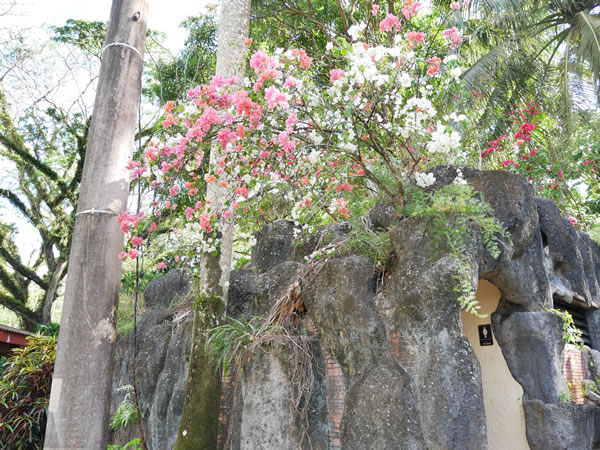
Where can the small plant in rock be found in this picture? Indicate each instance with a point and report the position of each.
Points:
(126, 413)
(566, 397)
(571, 334)
(134, 444)
(25, 393)
(590, 386)
(227, 342)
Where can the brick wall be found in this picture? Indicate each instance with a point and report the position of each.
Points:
(336, 390)
(403, 350)
(574, 371)
(227, 407)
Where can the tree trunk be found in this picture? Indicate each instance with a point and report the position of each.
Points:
(80, 399)
(200, 418)
(52, 288)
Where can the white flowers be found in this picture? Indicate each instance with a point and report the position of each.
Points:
(455, 73)
(316, 138)
(442, 141)
(424, 179)
(459, 178)
(355, 30)
(404, 80)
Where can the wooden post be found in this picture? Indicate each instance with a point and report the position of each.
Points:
(78, 414)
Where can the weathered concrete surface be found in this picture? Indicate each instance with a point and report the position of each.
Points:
(162, 291)
(268, 419)
(562, 426)
(161, 375)
(419, 303)
(532, 345)
(78, 410)
(380, 395)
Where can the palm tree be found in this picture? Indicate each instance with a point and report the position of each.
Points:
(533, 49)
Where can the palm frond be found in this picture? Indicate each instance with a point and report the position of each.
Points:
(586, 33)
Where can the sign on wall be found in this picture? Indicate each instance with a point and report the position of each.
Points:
(485, 334)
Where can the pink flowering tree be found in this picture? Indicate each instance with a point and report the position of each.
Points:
(295, 144)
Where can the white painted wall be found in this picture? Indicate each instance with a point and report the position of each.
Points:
(502, 395)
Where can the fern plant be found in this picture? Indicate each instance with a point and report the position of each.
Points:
(126, 413)
(451, 211)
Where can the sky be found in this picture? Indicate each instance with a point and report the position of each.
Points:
(165, 15)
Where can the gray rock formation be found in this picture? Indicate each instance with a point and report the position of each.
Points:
(163, 348)
(532, 345)
(390, 365)
(561, 426)
(162, 291)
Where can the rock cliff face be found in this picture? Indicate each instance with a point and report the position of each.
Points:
(390, 365)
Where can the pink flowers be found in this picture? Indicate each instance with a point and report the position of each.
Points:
(302, 57)
(174, 190)
(161, 265)
(388, 23)
(453, 36)
(455, 5)
(524, 132)
(410, 8)
(573, 220)
(127, 220)
(242, 191)
(204, 221)
(343, 207)
(415, 37)
(136, 241)
(225, 136)
(374, 9)
(291, 121)
(275, 97)
(336, 74)
(260, 61)
(434, 65)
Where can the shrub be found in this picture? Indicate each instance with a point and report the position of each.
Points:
(25, 393)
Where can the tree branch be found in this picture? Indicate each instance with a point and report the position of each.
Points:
(17, 266)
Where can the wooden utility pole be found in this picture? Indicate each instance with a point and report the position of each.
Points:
(78, 414)
(200, 418)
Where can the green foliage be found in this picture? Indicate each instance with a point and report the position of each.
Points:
(126, 311)
(565, 397)
(195, 65)
(126, 413)
(226, 342)
(375, 245)
(88, 36)
(25, 393)
(571, 334)
(591, 386)
(452, 211)
(125, 314)
(3, 363)
(134, 444)
(48, 329)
